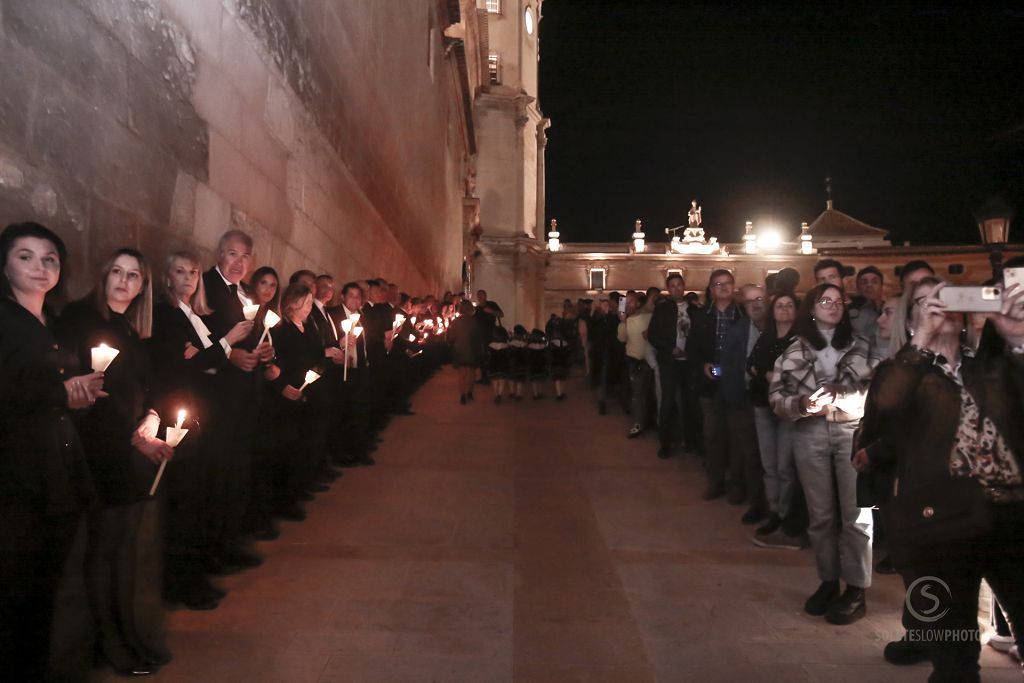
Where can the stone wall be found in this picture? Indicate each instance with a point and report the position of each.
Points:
(329, 130)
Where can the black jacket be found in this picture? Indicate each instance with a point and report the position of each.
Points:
(661, 331)
(42, 466)
(120, 473)
(915, 408)
(700, 345)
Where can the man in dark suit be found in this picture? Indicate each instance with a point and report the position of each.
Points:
(377, 320)
(351, 440)
(229, 437)
(668, 333)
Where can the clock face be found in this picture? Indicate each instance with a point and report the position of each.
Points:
(528, 20)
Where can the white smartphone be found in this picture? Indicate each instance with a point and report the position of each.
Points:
(971, 299)
(1013, 276)
(622, 304)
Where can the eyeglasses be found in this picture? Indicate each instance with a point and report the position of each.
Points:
(830, 303)
(750, 301)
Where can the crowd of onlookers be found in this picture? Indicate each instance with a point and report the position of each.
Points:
(855, 423)
(229, 395)
(885, 433)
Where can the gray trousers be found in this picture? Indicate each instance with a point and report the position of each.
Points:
(775, 441)
(840, 532)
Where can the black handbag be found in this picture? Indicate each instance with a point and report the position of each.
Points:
(945, 510)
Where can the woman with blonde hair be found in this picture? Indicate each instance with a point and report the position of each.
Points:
(186, 360)
(119, 435)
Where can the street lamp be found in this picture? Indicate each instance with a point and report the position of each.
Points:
(994, 220)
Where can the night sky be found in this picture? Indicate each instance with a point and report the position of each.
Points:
(916, 115)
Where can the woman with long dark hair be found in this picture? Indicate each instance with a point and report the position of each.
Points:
(819, 383)
(774, 435)
(264, 288)
(186, 359)
(119, 434)
(44, 480)
(287, 449)
(951, 422)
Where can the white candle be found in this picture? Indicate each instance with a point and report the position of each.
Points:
(346, 327)
(250, 311)
(269, 321)
(357, 331)
(399, 321)
(102, 357)
(310, 378)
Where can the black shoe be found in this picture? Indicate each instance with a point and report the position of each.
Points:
(405, 411)
(713, 492)
(497, 400)
(752, 516)
(818, 604)
(848, 608)
(884, 566)
(267, 533)
(319, 488)
(773, 523)
(903, 652)
(366, 461)
(537, 397)
(462, 399)
(198, 602)
(351, 462)
(560, 397)
(664, 452)
(602, 409)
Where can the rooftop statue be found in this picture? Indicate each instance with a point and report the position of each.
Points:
(694, 214)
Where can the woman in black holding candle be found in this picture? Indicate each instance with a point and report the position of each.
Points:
(119, 435)
(186, 360)
(286, 413)
(44, 480)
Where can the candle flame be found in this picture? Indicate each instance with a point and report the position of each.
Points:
(181, 418)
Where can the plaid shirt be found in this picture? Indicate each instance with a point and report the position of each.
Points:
(798, 373)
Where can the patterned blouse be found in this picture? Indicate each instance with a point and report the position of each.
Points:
(979, 450)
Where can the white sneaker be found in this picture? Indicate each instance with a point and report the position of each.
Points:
(1001, 643)
(1015, 653)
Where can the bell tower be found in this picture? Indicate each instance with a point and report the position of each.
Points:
(511, 136)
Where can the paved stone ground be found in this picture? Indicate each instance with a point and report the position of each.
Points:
(528, 542)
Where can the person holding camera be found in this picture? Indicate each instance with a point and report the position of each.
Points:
(957, 512)
(704, 349)
(819, 382)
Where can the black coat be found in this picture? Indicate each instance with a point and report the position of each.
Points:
(41, 460)
(700, 345)
(661, 331)
(179, 382)
(915, 409)
(120, 473)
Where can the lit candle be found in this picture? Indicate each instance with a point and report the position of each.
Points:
(181, 419)
(102, 357)
(269, 321)
(357, 331)
(412, 337)
(399, 321)
(310, 378)
(346, 327)
(355, 317)
(250, 311)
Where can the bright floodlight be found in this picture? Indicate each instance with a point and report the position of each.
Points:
(768, 238)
